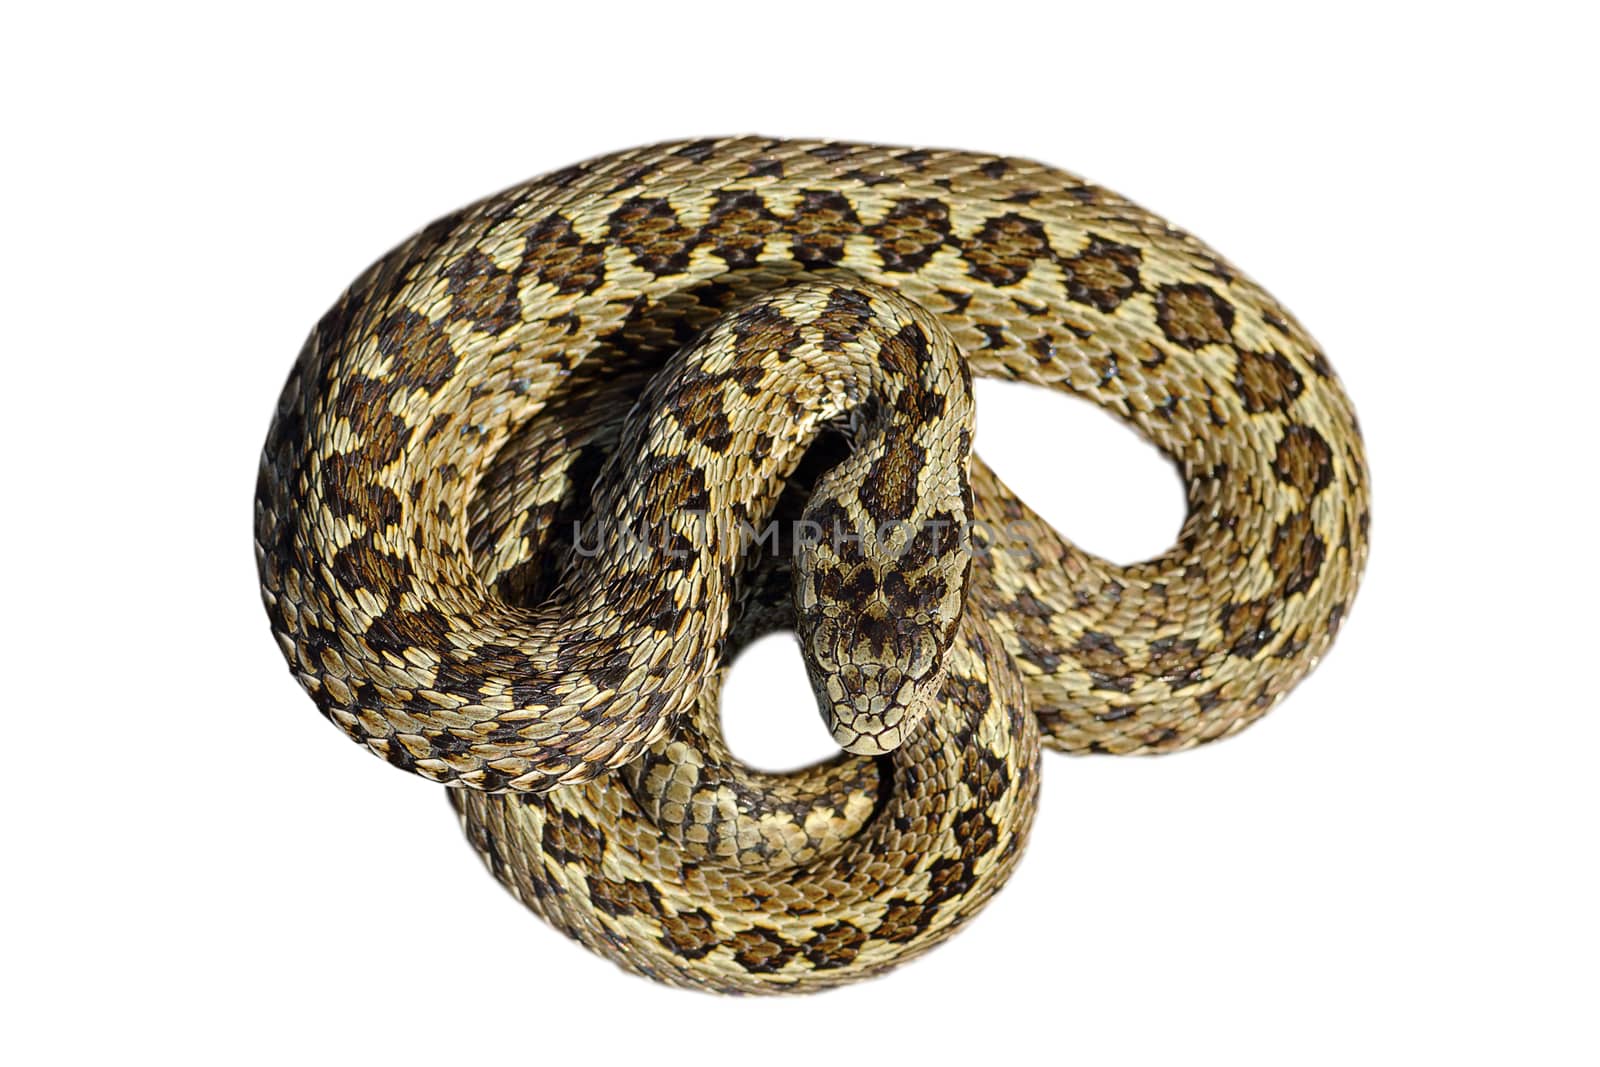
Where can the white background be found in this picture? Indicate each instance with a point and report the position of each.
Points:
(1397, 865)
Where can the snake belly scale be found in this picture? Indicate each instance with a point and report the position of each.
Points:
(726, 334)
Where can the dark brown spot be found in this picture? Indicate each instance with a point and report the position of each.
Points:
(1103, 275)
(570, 838)
(890, 492)
(976, 833)
(1267, 381)
(947, 879)
(834, 945)
(739, 227)
(626, 897)
(762, 329)
(482, 294)
(698, 406)
(688, 933)
(822, 222)
(1244, 628)
(350, 491)
(649, 228)
(398, 631)
(1104, 660)
(1177, 661)
(904, 920)
(558, 256)
(911, 233)
(1297, 553)
(419, 352)
(985, 774)
(1304, 461)
(1005, 249)
(843, 319)
(358, 565)
(1193, 315)
(761, 951)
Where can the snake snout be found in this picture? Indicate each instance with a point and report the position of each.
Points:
(884, 674)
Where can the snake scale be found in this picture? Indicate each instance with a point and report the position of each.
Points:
(496, 515)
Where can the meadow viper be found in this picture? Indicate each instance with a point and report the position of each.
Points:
(539, 474)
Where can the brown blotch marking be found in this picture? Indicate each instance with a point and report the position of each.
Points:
(833, 151)
(761, 951)
(688, 934)
(482, 294)
(911, 233)
(843, 319)
(1193, 315)
(1267, 381)
(834, 945)
(739, 227)
(821, 224)
(699, 151)
(398, 631)
(699, 409)
(765, 167)
(570, 838)
(649, 228)
(349, 491)
(936, 536)
(1304, 460)
(911, 596)
(1297, 554)
(420, 353)
(890, 493)
(1244, 628)
(626, 897)
(1177, 662)
(1103, 275)
(673, 485)
(358, 565)
(1105, 661)
(985, 774)
(947, 879)
(964, 691)
(762, 329)
(1037, 641)
(976, 833)
(558, 256)
(903, 920)
(1336, 615)
(1005, 249)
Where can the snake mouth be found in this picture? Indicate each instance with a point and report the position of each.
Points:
(875, 677)
(871, 709)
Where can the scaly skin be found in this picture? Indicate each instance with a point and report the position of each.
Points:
(468, 398)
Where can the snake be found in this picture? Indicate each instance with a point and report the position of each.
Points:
(546, 468)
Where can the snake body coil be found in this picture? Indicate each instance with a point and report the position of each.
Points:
(534, 480)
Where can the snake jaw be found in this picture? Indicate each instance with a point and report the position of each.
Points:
(879, 724)
(875, 677)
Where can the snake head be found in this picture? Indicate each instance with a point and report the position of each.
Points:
(874, 637)
(875, 677)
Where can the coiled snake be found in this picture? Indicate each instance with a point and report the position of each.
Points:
(545, 467)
